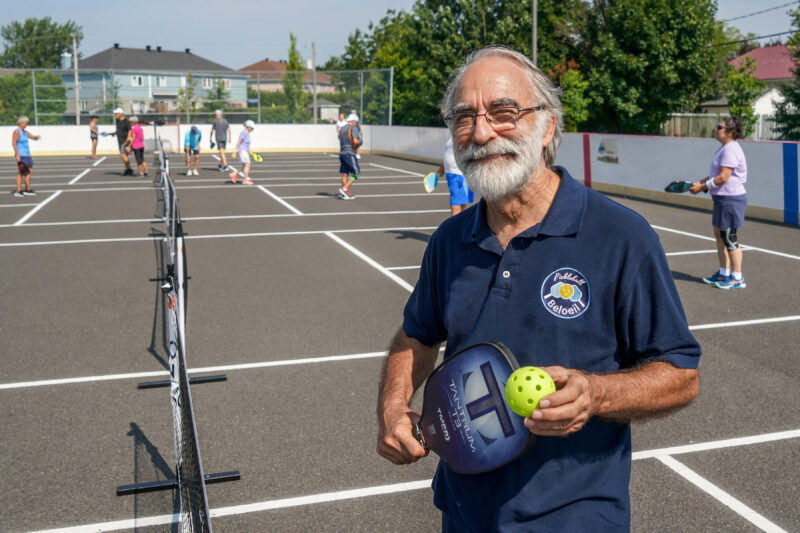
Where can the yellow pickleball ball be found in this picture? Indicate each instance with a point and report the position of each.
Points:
(525, 387)
(566, 291)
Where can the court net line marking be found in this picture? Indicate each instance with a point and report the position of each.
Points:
(744, 246)
(37, 208)
(305, 360)
(295, 213)
(79, 176)
(663, 455)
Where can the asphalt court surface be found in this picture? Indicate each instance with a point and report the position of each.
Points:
(294, 294)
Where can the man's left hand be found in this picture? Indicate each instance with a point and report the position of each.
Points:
(568, 409)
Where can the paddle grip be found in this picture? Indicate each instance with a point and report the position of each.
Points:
(419, 436)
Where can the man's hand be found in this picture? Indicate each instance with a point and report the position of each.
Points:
(396, 441)
(568, 409)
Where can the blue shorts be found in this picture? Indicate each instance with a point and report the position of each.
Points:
(348, 164)
(191, 151)
(728, 211)
(25, 164)
(459, 190)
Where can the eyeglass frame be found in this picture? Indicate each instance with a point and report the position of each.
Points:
(475, 116)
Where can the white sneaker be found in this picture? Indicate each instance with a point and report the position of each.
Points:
(358, 156)
(196, 173)
(189, 172)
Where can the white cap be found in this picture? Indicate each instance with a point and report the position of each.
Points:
(249, 124)
(352, 117)
(118, 111)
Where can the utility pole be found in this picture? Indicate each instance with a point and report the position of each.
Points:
(391, 92)
(77, 90)
(534, 16)
(314, 80)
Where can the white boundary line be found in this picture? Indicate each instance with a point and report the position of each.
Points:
(17, 205)
(746, 322)
(397, 169)
(37, 208)
(691, 252)
(721, 496)
(99, 161)
(744, 246)
(79, 176)
(391, 275)
(366, 492)
(412, 267)
(280, 200)
(231, 217)
(324, 359)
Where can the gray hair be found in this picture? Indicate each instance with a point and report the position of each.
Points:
(22, 119)
(544, 90)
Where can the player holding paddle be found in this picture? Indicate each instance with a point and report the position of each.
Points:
(243, 149)
(348, 162)
(567, 280)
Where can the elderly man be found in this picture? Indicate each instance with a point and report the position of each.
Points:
(617, 344)
(220, 132)
(124, 140)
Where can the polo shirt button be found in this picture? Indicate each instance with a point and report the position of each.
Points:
(506, 274)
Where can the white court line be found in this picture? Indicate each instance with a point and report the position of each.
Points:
(149, 186)
(319, 197)
(744, 246)
(746, 322)
(231, 217)
(397, 169)
(391, 275)
(37, 208)
(280, 200)
(403, 268)
(79, 176)
(721, 496)
(323, 359)
(99, 161)
(366, 492)
(718, 444)
(218, 236)
(17, 205)
(692, 252)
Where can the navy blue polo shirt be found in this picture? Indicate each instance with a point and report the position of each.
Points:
(588, 288)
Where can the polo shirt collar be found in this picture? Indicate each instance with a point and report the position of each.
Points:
(564, 217)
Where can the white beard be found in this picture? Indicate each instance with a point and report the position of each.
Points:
(502, 178)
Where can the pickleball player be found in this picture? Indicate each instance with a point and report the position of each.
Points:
(566, 278)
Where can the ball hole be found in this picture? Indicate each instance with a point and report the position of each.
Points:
(527, 378)
(530, 401)
(538, 387)
(519, 389)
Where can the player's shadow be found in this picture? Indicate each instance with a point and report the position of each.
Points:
(406, 234)
(328, 194)
(148, 466)
(682, 276)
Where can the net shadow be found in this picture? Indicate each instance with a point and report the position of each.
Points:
(148, 466)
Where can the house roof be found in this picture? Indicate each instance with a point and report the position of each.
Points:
(772, 62)
(273, 71)
(119, 58)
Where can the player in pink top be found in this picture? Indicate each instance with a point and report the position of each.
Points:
(726, 182)
(138, 146)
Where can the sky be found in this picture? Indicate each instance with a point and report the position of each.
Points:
(246, 31)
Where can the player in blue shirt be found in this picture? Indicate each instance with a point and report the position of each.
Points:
(191, 146)
(569, 281)
(22, 155)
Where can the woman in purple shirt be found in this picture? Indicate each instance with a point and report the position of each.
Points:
(726, 185)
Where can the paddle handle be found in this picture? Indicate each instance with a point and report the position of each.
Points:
(419, 436)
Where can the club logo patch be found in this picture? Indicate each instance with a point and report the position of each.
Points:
(565, 293)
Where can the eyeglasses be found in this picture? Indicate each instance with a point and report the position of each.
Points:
(721, 127)
(499, 118)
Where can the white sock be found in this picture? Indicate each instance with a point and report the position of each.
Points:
(724, 272)
(737, 276)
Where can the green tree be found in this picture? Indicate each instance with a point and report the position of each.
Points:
(743, 89)
(37, 43)
(293, 83)
(217, 96)
(187, 96)
(726, 41)
(644, 59)
(787, 113)
(16, 93)
(573, 97)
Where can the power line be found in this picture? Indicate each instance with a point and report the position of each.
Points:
(751, 39)
(758, 12)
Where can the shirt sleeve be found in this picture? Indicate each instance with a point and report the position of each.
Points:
(651, 324)
(422, 316)
(729, 157)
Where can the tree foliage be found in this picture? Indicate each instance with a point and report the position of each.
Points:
(743, 88)
(293, 83)
(16, 95)
(187, 95)
(37, 43)
(787, 113)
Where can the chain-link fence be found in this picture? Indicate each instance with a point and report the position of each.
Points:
(704, 124)
(301, 97)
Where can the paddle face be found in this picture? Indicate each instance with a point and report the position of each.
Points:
(256, 157)
(465, 417)
(430, 181)
(678, 186)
